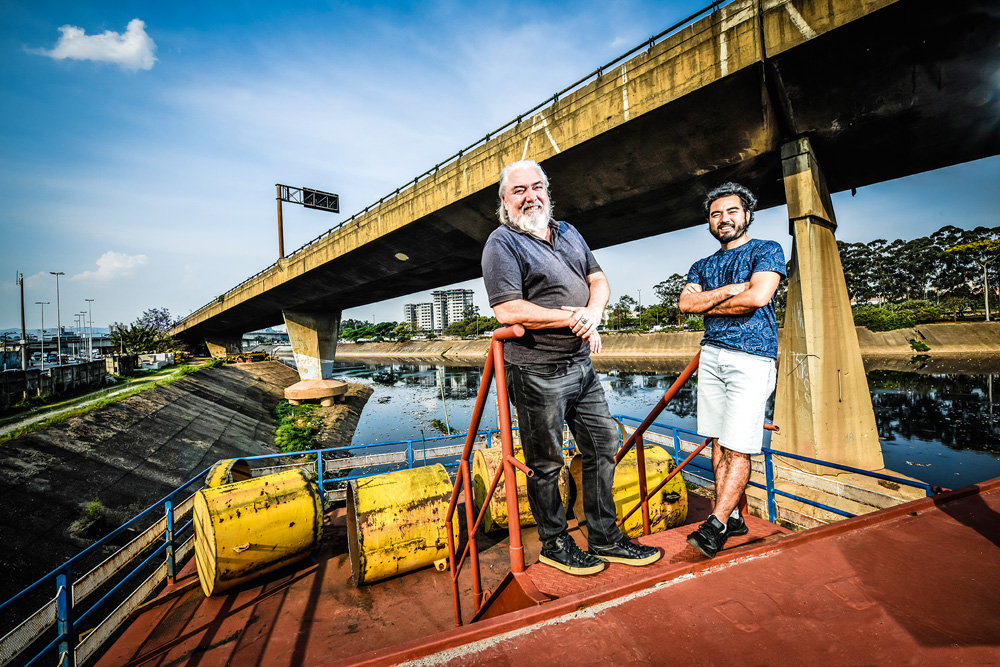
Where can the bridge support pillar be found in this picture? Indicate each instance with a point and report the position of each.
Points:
(314, 343)
(220, 346)
(823, 406)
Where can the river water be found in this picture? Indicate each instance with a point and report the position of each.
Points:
(938, 421)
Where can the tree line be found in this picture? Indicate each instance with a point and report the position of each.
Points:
(892, 284)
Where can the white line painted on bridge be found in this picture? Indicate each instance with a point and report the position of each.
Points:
(535, 125)
(800, 22)
(625, 90)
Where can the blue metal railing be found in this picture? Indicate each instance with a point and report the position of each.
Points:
(768, 486)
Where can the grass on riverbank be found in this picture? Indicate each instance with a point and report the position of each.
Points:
(65, 408)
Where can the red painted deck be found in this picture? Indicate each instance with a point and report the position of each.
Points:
(916, 584)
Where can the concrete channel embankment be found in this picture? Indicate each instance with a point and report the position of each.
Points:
(129, 454)
(954, 340)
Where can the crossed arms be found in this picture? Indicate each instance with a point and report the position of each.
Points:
(735, 299)
(583, 320)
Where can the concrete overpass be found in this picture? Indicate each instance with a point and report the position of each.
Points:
(759, 91)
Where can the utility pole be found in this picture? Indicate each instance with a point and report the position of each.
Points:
(24, 332)
(90, 331)
(58, 319)
(43, 304)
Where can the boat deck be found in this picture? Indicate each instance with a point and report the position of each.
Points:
(913, 584)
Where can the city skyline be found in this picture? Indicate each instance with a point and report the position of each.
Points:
(141, 144)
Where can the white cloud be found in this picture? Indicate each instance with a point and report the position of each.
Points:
(113, 265)
(134, 50)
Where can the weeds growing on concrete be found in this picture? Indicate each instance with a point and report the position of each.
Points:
(297, 426)
(93, 510)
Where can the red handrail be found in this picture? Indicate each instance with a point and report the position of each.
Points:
(494, 370)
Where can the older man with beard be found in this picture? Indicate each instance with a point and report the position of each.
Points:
(734, 289)
(539, 273)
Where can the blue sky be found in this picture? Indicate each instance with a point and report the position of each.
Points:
(142, 163)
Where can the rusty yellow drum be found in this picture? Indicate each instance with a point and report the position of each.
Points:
(485, 464)
(227, 471)
(246, 529)
(667, 507)
(396, 522)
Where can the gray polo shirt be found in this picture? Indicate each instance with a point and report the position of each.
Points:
(551, 274)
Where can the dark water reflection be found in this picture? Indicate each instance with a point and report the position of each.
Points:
(941, 427)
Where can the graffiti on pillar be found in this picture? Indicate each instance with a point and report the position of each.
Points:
(801, 373)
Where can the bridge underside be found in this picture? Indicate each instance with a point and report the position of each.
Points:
(909, 88)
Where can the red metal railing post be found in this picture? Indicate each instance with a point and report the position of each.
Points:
(507, 444)
(462, 482)
(462, 477)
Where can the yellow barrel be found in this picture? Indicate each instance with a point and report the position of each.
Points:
(246, 529)
(485, 464)
(667, 507)
(396, 522)
(227, 471)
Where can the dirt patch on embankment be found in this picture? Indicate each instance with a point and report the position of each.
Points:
(944, 340)
(130, 454)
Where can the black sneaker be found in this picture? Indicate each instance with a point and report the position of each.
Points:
(570, 558)
(709, 537)
(736, 527)
(627, 552)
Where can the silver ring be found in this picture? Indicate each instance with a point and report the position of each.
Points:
(583, 319)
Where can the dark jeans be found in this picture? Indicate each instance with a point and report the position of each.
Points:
(545, 395)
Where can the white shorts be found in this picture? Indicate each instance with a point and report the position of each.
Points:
(733, 388)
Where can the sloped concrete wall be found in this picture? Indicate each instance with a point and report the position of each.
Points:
(944, 339)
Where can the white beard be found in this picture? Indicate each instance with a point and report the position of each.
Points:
(533, 222)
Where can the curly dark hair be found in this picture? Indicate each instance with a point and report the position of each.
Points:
(728, 190)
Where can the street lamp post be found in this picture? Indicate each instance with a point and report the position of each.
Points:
(43, 304)
(58, 319)
(640, 310)
(24, 332)
(90, 330)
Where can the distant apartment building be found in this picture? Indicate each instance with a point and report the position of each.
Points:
(419, 315)
(449, 306)
(446, 306)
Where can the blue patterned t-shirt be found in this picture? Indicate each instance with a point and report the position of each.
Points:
(756, 333)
